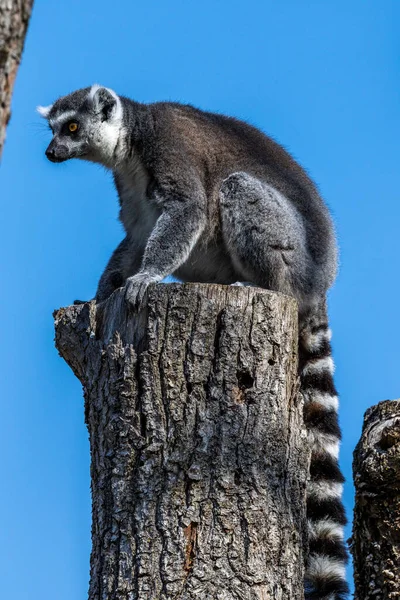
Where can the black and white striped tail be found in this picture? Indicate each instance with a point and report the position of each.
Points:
(325, 569)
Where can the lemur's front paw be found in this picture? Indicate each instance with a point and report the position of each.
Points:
(136, 287)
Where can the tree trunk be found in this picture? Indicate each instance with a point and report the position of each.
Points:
(14, 19)
(376, 528)
(199, 452)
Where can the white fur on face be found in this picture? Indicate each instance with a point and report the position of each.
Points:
(44, 111)
(62, 118)
(104, 136)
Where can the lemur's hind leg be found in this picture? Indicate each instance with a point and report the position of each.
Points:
(264, 235)
(124, 262)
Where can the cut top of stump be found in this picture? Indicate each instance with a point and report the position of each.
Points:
(191, 305)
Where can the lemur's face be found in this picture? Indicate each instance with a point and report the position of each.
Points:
(85, 124)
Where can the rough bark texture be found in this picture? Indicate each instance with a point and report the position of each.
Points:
(14, 19)
(199, 453)
(376, 527)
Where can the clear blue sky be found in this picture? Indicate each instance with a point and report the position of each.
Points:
(322, 78)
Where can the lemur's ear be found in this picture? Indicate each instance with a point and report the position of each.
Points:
(105, 102)
(44, 111)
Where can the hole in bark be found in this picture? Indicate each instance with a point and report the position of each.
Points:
(217, 337)
(245, 534)
(238, 477)
(271, 361)
(188, 486)
(143, 425)
(191, 537)
(208, 386)
(245, 380)
(189, 387)
(390, 435)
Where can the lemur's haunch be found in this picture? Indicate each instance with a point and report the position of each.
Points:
(211, 199)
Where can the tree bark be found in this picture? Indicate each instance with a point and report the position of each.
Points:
(376, 528)
(14, 19)
(199, 452)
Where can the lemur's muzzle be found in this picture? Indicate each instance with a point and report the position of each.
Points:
(57, 152)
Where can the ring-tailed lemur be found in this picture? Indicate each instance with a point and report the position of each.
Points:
(211, 199)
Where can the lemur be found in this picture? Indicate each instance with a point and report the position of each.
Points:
(209, 198)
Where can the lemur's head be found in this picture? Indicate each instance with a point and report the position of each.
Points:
(85, 124)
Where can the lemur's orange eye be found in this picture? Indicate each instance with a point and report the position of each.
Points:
(73, 127)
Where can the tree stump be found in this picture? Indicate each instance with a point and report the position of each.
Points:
(376, 528)
(198, 448)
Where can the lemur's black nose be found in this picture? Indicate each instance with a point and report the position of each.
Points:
(56, 153)
(50, 153)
